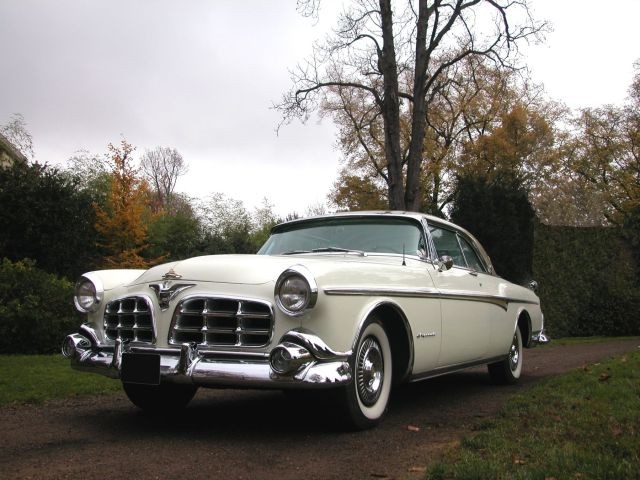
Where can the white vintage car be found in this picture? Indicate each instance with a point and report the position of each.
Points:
(354, 302)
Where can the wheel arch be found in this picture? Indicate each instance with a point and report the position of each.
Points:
(524, 322)
(398, 330)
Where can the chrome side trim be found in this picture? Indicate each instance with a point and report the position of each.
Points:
(453, 368)
(502, 302)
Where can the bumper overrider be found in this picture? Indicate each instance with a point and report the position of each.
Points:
(300, 359)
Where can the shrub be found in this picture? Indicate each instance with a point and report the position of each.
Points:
(36, 309)
(588, 281)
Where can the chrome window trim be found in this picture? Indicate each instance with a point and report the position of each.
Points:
(473, 243)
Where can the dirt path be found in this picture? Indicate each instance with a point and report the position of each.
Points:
(235, 434)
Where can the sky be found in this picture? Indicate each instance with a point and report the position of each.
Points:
(201, 76)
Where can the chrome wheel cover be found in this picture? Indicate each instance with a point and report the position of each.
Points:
(514, 354)
(369, 371)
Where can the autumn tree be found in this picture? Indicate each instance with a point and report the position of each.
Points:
(399, 60)
(469, 107)
(162, 167)
(606, 154)
(122, 224)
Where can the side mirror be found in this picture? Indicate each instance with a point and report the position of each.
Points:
(533, 285)
(445, 263)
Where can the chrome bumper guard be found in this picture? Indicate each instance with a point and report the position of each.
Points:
(315, 365)
(539, 338)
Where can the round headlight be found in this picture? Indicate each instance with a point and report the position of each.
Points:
(296, 291)
(86, 298)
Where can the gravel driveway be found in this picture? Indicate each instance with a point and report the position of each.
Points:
(235, 434)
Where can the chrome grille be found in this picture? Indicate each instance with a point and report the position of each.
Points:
(216, 321)
(129, 319)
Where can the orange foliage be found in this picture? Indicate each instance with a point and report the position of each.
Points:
(122, 225)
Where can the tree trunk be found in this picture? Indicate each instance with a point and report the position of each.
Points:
(419, 120)
(391, 109)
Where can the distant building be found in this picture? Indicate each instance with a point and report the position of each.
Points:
(9, 154)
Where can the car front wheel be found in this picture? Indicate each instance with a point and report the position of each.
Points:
(165, 397)
(368, 394)
(508, 371)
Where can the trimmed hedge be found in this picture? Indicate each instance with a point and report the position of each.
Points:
(589, 281)
(36, 309)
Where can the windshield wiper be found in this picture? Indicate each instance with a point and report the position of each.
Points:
(295, 252)
(337, 249)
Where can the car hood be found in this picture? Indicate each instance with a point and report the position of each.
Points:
(240, 269)
(259, 269)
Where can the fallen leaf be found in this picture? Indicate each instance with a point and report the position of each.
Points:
(413, 428)
(518, 461)
(417, 469)
(604, 377)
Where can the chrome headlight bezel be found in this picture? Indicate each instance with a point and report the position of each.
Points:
(89, 293)
(296, 291)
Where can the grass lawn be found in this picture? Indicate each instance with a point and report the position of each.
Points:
(581, 425)
(35, 378)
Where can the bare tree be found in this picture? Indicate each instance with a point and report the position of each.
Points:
(400, 60)
(163, 166)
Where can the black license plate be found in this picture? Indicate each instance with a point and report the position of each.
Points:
(143, 368)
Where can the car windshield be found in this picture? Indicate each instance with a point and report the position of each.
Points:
(344, 234)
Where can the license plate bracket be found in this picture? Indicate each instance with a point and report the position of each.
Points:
(140, 368)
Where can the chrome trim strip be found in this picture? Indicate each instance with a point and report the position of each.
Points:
(453, 368)
(502, 302)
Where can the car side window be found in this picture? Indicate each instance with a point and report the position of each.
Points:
(471, 256)
(446, 243)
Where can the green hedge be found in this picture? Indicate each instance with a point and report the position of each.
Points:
(589, 281)
(36, 309)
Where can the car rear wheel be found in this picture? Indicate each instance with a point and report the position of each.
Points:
(368, 394)
(159, 398)
(508, 371)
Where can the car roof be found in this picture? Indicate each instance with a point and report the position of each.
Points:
(417, 216)
(374, 213)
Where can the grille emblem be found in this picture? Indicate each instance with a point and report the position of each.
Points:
(165, 292)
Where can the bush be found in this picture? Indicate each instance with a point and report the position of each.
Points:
(36, 309)
(588, 281)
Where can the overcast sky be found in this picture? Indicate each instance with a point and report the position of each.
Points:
(200, 76)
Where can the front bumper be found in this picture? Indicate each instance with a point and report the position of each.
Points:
(316, 366)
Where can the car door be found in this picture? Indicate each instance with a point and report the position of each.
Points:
(469, 299)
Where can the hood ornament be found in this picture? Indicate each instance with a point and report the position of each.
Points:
(166, 292)
(171, 275)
